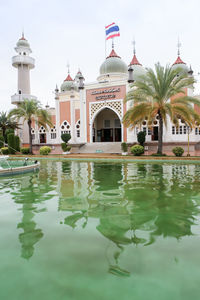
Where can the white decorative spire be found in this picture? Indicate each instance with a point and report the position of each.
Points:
(179, 46)
(133, 43)
(68, 68)
(113, 44)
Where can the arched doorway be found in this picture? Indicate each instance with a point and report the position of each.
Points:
(106, 127)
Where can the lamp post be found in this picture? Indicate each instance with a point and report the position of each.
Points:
(130, 74)
(72, 140)
(82, 108)
(81, 82)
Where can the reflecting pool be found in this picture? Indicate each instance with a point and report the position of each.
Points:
(94, 230)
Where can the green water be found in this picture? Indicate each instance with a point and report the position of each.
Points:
(88, 230)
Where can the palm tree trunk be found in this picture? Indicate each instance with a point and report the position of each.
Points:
(30, 136)
(160, 134)
(4, 133)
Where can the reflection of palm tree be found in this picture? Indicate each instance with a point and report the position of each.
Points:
(30, 193)
(73, 219)
(115, 269)
(175, 213)
(31, 235)
(153, 204)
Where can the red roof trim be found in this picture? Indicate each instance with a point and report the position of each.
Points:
(68, 78)
(113, 54)
(135, 61)
(179, 61)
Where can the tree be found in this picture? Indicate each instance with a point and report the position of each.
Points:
(151, 97)
(29, 110)
(6, 123)
(141, 137)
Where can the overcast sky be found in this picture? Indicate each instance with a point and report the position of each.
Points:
(62, 31)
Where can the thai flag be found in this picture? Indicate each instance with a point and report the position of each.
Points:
(112, 31)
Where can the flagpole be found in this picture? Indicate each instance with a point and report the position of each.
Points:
(105, 49)
(105, 42)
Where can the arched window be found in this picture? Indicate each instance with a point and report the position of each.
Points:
(53, 132)
(42, 134)
(33, 133)
(78, 132)
(65, 127)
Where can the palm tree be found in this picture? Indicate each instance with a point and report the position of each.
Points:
(6, 123)
(152, 96)
(29, 110)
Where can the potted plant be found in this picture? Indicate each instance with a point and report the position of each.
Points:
(65, 147)
(124, 148)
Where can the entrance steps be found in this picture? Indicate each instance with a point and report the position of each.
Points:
(103, 147)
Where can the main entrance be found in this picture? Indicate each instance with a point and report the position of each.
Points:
(154, 136)
(106, 127)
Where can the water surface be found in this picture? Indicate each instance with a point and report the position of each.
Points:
(88, 230)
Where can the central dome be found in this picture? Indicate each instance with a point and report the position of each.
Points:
(68, 84)
(113, 64)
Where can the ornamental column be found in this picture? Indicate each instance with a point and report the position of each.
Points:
(72, 111)
(82, 109)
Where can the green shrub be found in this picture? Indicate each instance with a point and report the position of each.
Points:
(178, 151)
(17, 143)
(141, 137)
(25, 150)
(45, 150)
(1, 141)
(124, 147)
(66, 137)
(11, 143)
(68, 148)
(6, 134)
(65, 147)
(4, 150)
(137, 150)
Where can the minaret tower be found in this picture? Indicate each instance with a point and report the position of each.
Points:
(23, 62)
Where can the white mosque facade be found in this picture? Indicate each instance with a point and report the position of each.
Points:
(92, 112)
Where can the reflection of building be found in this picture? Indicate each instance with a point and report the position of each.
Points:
(93, 113)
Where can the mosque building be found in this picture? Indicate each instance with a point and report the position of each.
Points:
(92, 112)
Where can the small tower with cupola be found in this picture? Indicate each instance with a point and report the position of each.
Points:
(24, 63)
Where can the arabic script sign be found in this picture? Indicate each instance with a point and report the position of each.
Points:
(105, 93)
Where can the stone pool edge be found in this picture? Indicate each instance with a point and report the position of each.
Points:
(188, 160)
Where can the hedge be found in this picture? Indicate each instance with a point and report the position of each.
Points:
(1, 141)
(4, 150)
(25, 150)
(11, 143)
(17, 143)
